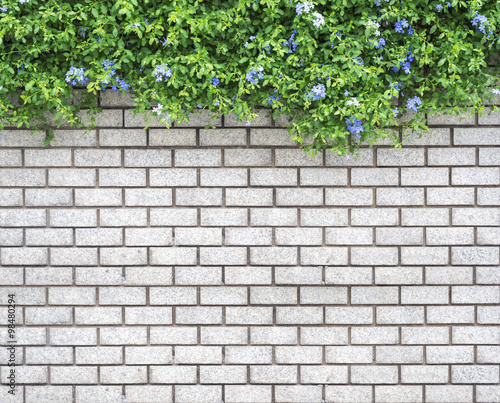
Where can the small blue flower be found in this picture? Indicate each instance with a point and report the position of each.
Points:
(23, 1)
(215, 81)
(359, 61)
(319, 20)
(400, 25)
(76, 75)
(381, 43)
(410, 31)
(304, 7)
(480, 19)
(318, 92)
(356, 127)
(162, 72)
(413, 102)
(4, 9)
(439, 7)
(271, 99)
(216, 102)
(346, 93)
(448, 4)
(158, 111)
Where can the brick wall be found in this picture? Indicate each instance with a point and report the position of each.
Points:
(193, 265)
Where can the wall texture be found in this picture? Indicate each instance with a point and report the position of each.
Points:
(193, 265)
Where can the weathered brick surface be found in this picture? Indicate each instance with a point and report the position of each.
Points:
(191, 265)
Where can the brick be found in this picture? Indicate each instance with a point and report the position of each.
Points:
(297, 393)
(403, 394)
(323, 176)
(450, 354)
(247, 157)
(72, 296)
(450, 196)
(133, 119)
(476, 136)
(148, 393)
(374, 176)
(264, 374)
(323, 295)
(475, 295)
(173, 374)
(224, 374)
(74, 138)
(82, 177)
(71, 375)
(248, 236)
(296, 157)
(348, 236)
(12, 237)
(223, 256)
(323, 255)
(98, 316)
(348, 315)
(273, 255)
(488, 196)
(148, 315)
(98, 275)
(424, 176)
(272, 217)
(299, 315)
(68, 217)
(475, 176)
(450, 314)
(374, 256)
(198, 158)
(108, 117)
(399, 354)
(47, 158)
(122, 177)
(487, 275)
(105, 393)
(374, 335)
(173, 217)
(173, 335)
(147, 237)
(384, 374)
(322, 336)
(48, 316)
(273, 335)
(115, 98)
(98, 236)
(200, 118)
(428, 216)
(22, 177)
(298, 275)
(11, 197)
(451, 156)
(123, 217)
(98, 197)
(448, 275)
(49, 355)
(346, 394)
(374, 295)
(198, 355)
(123, 256)
(400, 315)
(48, 197)
(198, 275)
(223, 137)
(487, 354)
(21, 138)
(122, 296)
(247, 394)
(474, 374)
(249, 197)
(451, 118)
(349, 354)
(10, 158)
(122, 137)
(122, 335)
(299, 197)
(348, 197)
(400, 197)
(148, 355)
(22, 218)
(198, 197)
(449, 236)
(298, 354)
(24, 296)
(403, 157)
(172, 177)
(223, 296)
(485, 393)
(13, 276)
(489, 156)
(424, 294)
(248, 355)
(475, 335)
(474, 255)
(433, 255)
(322, 217)
(488, 117)
(270, 137)
(488, 236)
(424, 374)
(222, 335)
(298, 236)
(273, 295)
(488, 314)
(374, 216)
(147, 158)
(448, 393)
(399, 236)
(121, 375)
(172, 137)
(364, 157)
(273, 177)
(26, 375)
(46, 393)
(476, 216)
(73, 336)
(24, 256)
(247, 275)
(198, 393)
(198, 315)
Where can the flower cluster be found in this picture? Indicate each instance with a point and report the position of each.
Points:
(352, 101)
(304, 7)
(4, 9)
(405, 64)
(215, 81)
(250, 76)
(481, 20)
(164, 42)
(271, 99)
(400, 25)
(355, 127)
(160, 114)
(359, 61)
(413, 102)
(23, 1)
(250, 39)
(319, 20)
(381, 43)
(76, 75)
(162, 72)
(82, 31)
(318, 92)
(290, 43)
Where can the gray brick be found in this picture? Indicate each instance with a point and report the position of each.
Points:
(374, 335)
(223, 177)
(82, 177)
(489, 156)
(487, 354)
(424, 374)
(222, 335)
(198, 197)
(424, 295)
(224, 374)
(248, 355)
(298, 393)
(475, 176)
(198, 236)
(74, 138)
(67, 217)
(449, 236)
(12, 276)
(173, 217)
(273, 177)
(21, 138)
(475, 295)
(399, 236)
(115, 98)
(374, 216)
(488, 117)
(448, 393)
(173, 335)
(298, 275)
(123, 217)
(223, 296)
(122, 137)
(374, 295)
(320, 336)
(273, 374)
(48, 197)
(122, 177)
(322, 217)
(173, 177)
(349, 315)
(384, 374)
(299, 315)
(98, 276)
(348, 236)
(223, 256)
(487, 275)
(450, 355)
(270, 137)
(323, 295)
(296, 157)
(123, 256)
(24, 256)
(122, 335)
(247, 275)
(428, 216)
(10, 158)
(364, 157)
(476, 136)
(247, 157)
(323, 176)
(148, 158)
(299, 197)
(46, 393)
(450, 314)
(172, 137)
(374, 176)
(148, 355)
(488, 314)
(72, 296)
(200, 118)
(400, 315)
(248, 236)
(484, 393)
(198, 275)
(47, 158)
(172, 296)
(346, 394)
(298, 236)
(474, 374)
(22, 218)
(122, 296)
(450, 156)
(403, 394)
(374, 256)
(121, 375)
(148, 316)
(22, 177)
(98, 316)
(402, 157)
(323, 255)
(349, 354)
(273, 255)
(71, 375)
(448, 275)
(450, 196)
(451, 119)
(433, 255)
(198, 158)
(88, 393)
(48, 316)
(148, 237)
(424, 176)
(400, 197)
(488, 236)
(24, 296)
(249, 197)
(49, 236)
(348, 197)
(474, 255)
(272, 217)
(199, 315)
(198, 355)
(97, 197)
(244, 315)
(173, 374)
(108, 117)
(49, 355)
(247, 393)
(260, 120)
(476, 216)
(133, 119)
(223, 137)
(475, 335)
(73, 336)
(399, 354)
(273, 335)
(11, 197)
(488, 196)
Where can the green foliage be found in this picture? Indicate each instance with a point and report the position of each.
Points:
(199, 40)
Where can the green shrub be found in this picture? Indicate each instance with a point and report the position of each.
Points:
(337, 66)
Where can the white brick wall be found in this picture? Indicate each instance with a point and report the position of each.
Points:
(190, 265)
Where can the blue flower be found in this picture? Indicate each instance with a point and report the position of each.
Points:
(448, 4)
(215, 81)
(400, 25)
(320, 20)
(23, 1)
(478, 18)
(164, 42)
(4, 9)
(162, 72)
(304, 7)
(346, 93)
(410, 31)
(199, 106)
(250, 76)
(271, 99)
(377, 3)
(356, 127)
(359, 61)
(381, 43)
(413, 102)
(406, 67)
(292, 45)
(318, 92)
(439, 7)
(216, 102)
(76, 75)
(158, 111)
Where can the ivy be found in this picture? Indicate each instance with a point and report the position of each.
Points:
(350, 72)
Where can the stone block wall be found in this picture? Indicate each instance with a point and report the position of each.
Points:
(192, 265)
